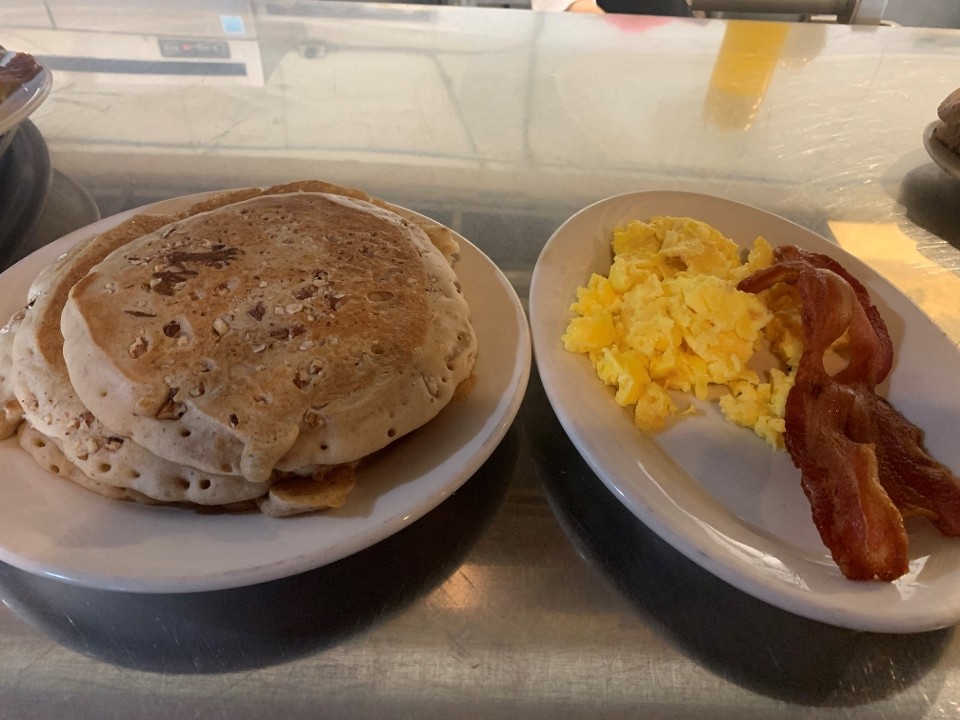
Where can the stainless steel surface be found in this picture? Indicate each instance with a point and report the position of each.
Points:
(531, 592)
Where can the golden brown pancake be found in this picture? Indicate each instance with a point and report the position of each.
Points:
(78, 446)
(11, 414)
(106, 457)
(280, 332)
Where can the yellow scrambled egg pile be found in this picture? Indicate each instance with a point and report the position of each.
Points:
(668, 317)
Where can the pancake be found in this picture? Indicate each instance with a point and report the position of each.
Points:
(328, 487)
(37, 369)
(79, 447)
(293, 331)
(106, 457)
(440, 235)
(47, 454)
(11, 414)
(294, 495)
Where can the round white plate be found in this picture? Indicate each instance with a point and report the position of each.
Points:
(18, 106)
(941, 154)
(51, 527)
(718, 493)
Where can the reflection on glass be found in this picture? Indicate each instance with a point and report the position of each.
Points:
(889, 251)
(746, 62)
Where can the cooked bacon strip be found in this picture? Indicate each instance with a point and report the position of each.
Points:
(863, 464)
(871, 352)
(916, 482)
(855, 516)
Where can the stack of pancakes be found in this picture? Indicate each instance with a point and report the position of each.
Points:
(250, 351)
(947, 130)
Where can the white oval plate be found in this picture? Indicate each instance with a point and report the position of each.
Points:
(718, 493)
(51, 527)
(22, 102)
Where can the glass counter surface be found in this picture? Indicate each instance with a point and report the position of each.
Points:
(531, 592)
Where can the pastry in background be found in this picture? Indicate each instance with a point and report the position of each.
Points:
(948, 130)
(16, 69)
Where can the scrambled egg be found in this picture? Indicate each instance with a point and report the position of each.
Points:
(668, 319)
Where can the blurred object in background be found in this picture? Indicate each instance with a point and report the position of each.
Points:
(676, 8)
(913, 13)
(745, 64)
(854, 12)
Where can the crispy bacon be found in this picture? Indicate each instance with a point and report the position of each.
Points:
(916, 482)
(835, 301)
(863, 465)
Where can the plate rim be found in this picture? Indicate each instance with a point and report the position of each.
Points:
(759, 585)
(504, 413)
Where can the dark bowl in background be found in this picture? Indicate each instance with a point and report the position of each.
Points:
(25, 179)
